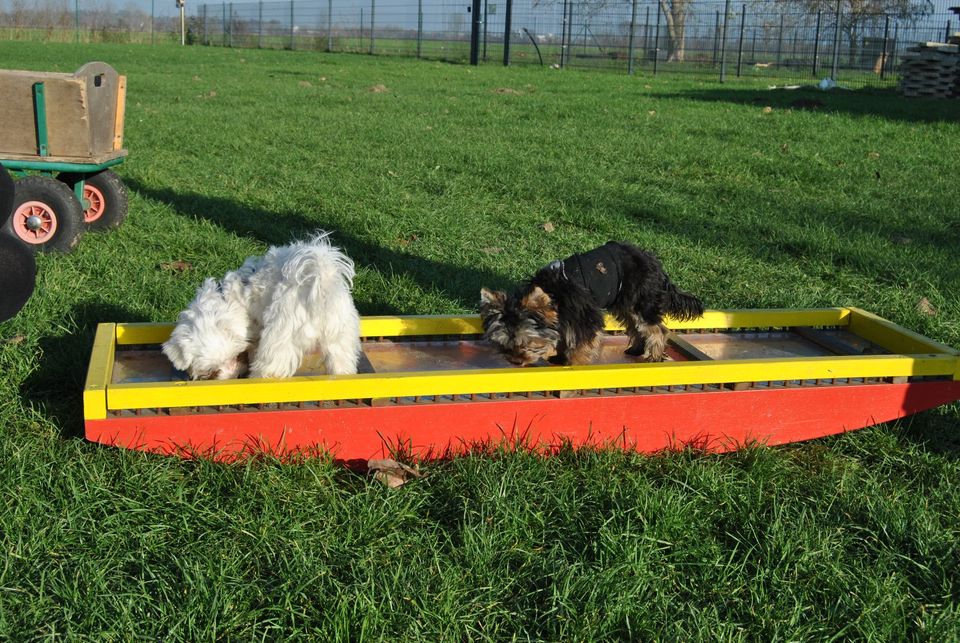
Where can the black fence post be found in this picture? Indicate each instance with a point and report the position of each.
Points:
(656, 42)
(723, 42)
(780, 43)
(373, 23)
(259, 24)
(646, 34)
(507, 32)
(633, 26)
(816, 46)
(743, 21)
(563, 34)
(419, 28)
(486, 16)
(836, 44)
(569, 31)
(886, 41)
(329, 25)
(716, 39)
(475, 33)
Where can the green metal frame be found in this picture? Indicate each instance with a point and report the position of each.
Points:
(16, 166)
(40, 113)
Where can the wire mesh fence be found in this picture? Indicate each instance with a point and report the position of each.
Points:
(776, 39)
(769, 39)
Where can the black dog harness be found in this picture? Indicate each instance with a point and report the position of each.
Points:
(599, 271)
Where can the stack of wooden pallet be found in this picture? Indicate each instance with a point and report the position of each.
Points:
(931, 69)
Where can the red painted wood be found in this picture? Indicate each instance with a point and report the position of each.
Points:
(717, 421)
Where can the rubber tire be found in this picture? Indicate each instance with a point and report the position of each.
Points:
(62, 205)
(18, 275)
(115, 200)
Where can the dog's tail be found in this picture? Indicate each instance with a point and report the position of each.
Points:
(317, 261)
(681, 305)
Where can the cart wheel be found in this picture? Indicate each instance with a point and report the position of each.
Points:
(46, 215)
(104, 199)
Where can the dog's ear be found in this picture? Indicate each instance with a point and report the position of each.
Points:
(536, 299)
(491, 300)
(173, 349)
(540, 303)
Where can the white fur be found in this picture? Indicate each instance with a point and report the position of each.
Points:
(276, 308)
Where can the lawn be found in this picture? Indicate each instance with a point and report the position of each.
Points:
(439, 179)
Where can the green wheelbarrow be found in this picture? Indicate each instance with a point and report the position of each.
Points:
(59, 135)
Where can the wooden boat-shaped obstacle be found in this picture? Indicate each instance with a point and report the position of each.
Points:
(430, 386)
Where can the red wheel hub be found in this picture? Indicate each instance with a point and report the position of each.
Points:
(94, 203)
(34, 222)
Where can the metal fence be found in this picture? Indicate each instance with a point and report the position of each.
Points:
(770, 39)
(766, 38)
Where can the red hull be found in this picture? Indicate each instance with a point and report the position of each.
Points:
(716, 421)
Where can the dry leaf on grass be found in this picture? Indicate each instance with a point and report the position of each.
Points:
(16, 339)
(392, 473)
(379, 89)
(506, 90)
(305, 83)
(176, 266)
(767, 110)
(925, 307)
(548, 227)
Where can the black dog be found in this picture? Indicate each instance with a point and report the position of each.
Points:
(558, 316)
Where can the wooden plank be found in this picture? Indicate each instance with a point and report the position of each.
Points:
(407, 325)
(508, 380)
(833, 344)
(688, 349)
(99, 373)
(716, 420)
(121, 113)
(893, 337)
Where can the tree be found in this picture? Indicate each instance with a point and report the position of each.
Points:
(861, 16)
(675, 14)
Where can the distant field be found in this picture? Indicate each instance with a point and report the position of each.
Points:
(438, 179)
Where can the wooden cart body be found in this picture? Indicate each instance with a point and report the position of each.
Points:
(431, 387)
(62, 122)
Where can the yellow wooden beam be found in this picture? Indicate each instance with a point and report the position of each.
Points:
(893, 337)
(408, 325)
(99, 373)
(507, 380)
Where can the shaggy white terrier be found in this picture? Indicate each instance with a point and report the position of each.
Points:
(268, 314)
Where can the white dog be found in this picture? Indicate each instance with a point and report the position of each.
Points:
(272, 311)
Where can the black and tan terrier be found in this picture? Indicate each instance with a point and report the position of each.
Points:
(557, 316)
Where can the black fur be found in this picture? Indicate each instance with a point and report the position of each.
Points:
(555, 315)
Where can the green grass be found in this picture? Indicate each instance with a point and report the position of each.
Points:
(435, 187)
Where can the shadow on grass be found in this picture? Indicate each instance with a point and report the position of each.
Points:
(885, 103)
(881, 248)
(457, 282)
(934, 432)
(56, 386)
